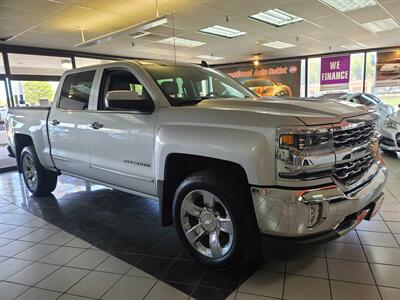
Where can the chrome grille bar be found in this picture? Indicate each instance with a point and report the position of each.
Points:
(354, 136)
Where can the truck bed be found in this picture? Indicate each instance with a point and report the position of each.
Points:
(30, 122)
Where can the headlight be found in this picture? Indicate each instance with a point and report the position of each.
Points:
(304, 152)
(303, 141)
(390, 124)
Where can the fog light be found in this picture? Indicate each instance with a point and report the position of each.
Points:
(313, 214)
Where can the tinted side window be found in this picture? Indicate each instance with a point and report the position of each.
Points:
(368, 101)
(75, 92)
(355, 100)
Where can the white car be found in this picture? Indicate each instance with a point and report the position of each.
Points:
(384, 110)
(392, 67)
(390, 140)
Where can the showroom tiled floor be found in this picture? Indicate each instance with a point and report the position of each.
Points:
(89, 242)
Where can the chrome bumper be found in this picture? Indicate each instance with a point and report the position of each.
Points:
(302, 212)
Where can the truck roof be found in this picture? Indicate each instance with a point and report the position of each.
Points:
(141, 62)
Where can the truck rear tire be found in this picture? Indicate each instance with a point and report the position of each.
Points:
(215, 220)
(39, 181)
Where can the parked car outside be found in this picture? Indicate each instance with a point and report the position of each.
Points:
(268, 88)
(390, 140)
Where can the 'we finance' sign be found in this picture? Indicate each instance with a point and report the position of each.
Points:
(335, 72)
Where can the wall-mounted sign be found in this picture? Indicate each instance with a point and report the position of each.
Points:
(388, 69)
(268, 79)
(335, 72)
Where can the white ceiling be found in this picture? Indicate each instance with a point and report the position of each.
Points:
(55, 23)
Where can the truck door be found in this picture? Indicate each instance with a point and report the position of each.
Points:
(122, 140)
(68, 124)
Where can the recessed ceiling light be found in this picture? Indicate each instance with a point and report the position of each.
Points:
(349, 5)
(381, 25)
(355, 46)
(210, 57)
(222, 31)
(276, 17)
(278, 45)
(181, 42)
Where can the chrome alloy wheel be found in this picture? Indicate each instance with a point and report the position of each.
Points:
(30, 172)
(207, 224)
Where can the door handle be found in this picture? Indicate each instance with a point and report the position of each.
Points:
(55, 122)
(96, 125)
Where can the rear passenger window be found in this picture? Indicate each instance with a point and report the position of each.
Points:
(75, 92)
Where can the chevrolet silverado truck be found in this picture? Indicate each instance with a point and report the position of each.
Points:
(231, 171)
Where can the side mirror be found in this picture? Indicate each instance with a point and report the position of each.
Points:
(128, 100)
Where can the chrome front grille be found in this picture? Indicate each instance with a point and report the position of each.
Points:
(351, 171)
(353, 136)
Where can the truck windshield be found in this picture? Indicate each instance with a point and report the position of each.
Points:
(184, 85)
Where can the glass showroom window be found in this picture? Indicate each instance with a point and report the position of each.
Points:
(85, 62)
(356, 76)
(33, 93)
(3, 94)
(370, 73)
(389, 94)
(2, 70)
(356, 73)
(27, 64)
(313, 80)
(303, 78)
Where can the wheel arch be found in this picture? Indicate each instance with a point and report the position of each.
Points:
(180, 165)
(21, 141)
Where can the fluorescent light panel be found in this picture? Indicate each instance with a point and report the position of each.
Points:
(276, 17)
(210, 57)
(223, 31)
(278, 45)
(381, 25)
(349, 5)
(124, 32)
(181, 42)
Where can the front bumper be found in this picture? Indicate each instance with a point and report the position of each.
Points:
(390, 139)
(284, 212)
(282, 247)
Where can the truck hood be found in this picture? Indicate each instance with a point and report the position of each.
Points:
(309, 111)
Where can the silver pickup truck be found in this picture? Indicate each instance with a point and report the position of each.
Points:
(232, 172)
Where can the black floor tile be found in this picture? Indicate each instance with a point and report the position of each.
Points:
(184, 272)
(219, 280)
(168, 246)
(155, 266)
(205, 293)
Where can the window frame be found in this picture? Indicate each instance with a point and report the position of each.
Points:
(61, 86)
(99, 98)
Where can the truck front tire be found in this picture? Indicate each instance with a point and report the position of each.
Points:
(39, 181)
(215, 221)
